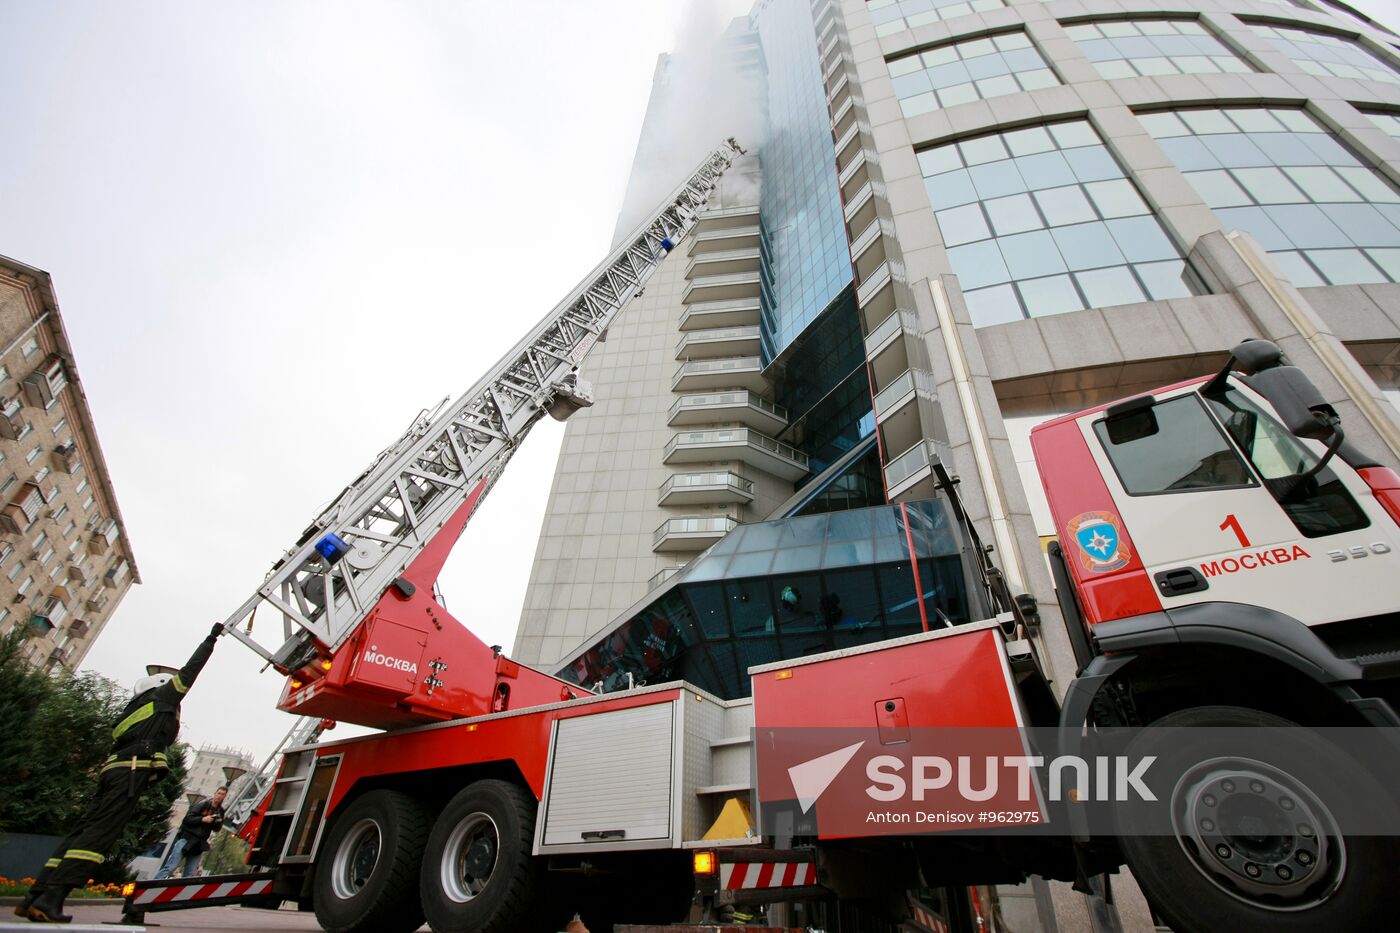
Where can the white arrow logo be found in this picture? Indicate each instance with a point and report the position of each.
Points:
(811, 778)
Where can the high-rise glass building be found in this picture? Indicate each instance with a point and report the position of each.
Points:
(959, 218)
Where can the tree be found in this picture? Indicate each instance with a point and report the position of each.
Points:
(55, 733)
(227, 855)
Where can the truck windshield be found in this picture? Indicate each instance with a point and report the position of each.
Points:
(1185, 453)
(1322, 506)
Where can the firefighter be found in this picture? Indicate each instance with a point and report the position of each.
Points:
(147, 727)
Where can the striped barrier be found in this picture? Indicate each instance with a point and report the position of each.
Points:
(744, 876)
(925, 920)
(208, 891)
(199, 891)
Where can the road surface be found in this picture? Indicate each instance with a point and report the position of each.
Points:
(241, 919)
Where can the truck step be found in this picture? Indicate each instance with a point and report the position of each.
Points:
(1379, 665)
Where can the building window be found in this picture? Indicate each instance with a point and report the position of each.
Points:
(4, 375)
(1128, 48)
(33, 454)
(24, 587)
(55, 571)
(1042, 220)
(31, 347)
(58, 428)
(87, 503)
(24, 431)
(969, 70)
(8, 484)
(68, 530)
(81, 486)
(1326, 55)
(890, 16)
(15, 572)
(43, 474)
(1390, 122)
(47, 556)
(58, 516)
(40, 540)
(1338, 10)
(5, 552)
(1327, 218)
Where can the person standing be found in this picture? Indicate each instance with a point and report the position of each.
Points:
(192, 841)
(147, 727)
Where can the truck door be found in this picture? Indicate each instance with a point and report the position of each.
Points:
(1192, 485)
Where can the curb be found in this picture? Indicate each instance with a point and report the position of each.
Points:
(10, 901)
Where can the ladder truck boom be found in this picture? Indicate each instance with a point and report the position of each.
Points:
(378, 547)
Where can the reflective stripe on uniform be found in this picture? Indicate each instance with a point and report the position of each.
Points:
(143, 712)
(84, 855)
(179, 684)
(157, 763)
(52, 863)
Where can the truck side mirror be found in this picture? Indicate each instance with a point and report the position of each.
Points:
(1299, 404)
(1131, 420)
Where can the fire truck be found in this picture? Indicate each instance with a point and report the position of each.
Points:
(1224, 558)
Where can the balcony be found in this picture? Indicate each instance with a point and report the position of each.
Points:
(712, 488)
(910, 475)
(49, 615)
(723, 262)
(722, 287)
(23, 509)
(718, 342)
(707, 314)
(905, 408)
(732, 218)
(750, 447)
(11, 418)
(661, 576)
(103, 536)
(746, 408)
(739, 373)
(691, 534)
(884, 334)
(66, 458)
(114, 577)
(44, 384)
(723, 240)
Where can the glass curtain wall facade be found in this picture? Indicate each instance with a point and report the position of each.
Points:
(1325, 217)
(1043, 220)
(786, 589)
(1133, 48)
(805, 238)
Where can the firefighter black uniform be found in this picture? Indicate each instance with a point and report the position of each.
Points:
(146, 729)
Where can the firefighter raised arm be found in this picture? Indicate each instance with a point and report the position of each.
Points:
(147, 727)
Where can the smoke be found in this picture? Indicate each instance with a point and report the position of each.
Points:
(706, 90)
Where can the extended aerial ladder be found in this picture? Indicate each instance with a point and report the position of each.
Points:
(364, 640)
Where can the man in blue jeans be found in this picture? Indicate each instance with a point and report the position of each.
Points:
(192, 841)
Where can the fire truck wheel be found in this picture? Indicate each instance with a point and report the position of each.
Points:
(1249, 837)
(478, 874)
(367, 872)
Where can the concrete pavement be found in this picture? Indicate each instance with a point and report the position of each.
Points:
(107, 917)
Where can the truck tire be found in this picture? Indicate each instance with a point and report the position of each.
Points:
(367, 870)
(1277, 860)
(478, 874)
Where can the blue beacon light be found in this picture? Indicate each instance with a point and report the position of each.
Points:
(332, 547)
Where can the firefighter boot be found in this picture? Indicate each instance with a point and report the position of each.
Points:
(22, 908)
(48, 906)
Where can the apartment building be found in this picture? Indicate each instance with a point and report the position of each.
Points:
(65, 559)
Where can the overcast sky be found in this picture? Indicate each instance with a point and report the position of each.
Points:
(278, 229)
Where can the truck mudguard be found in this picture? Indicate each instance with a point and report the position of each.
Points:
(1250, 628)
